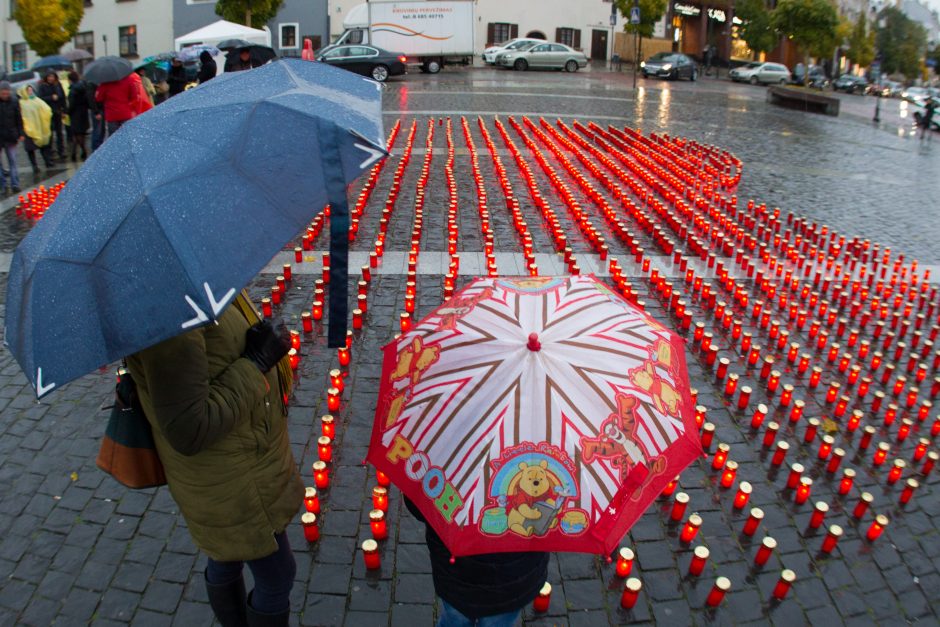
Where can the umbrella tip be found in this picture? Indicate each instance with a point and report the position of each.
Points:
(453, 560)
(534, 344)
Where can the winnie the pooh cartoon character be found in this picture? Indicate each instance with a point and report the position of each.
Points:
(665, 397)
(533, 485)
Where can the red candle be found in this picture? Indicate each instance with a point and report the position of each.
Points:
(377, 523)
(774, 381)
(905, 429)
(357, 319)
(727, 476)
(803, 490)
(370, 555)
(929, 463)
(624, 562)
(731, 384)
(765, 550)
(797, 412)
(758, 419)
(293, 358)
(382, 479)
(699, 557)
(631, 591)
(814, 377)
(877, 527)
(311, 528)
(325, 448)
(835, 460)
(343, 354)
(780, 453)
(825, 447)
(796, 473)
(327, 426)
(380, 498)
(921, 449)
(745, 397)
(680, 502)
(742, 495)
(721, 456)
(864, 502)
(691, 528)
(306, 322)
(544, 598)
(854, 420)
(336, 379)
(717, 594)
(321, 476)
(332, 400)
(787, 395)
(708, 433)
(812, 426)
(670, 488)
(770, 433)
(317, 310)
(311, 500)
(897, 469)
(832, 538)
(867, 434)
(820, 509)
(753, 521)
(845, 484)
(787, 577)
(266, 310)
(881, 453)
(909, 487)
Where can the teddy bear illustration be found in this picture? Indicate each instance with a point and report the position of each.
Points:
(456, 308)
(665, 397)
(533, 486)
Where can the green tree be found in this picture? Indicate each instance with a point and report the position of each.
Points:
(901, 43)
(756, 29)
(811, 24)
(253, 13)
(651, 11)
(861, 43)
(47, 24)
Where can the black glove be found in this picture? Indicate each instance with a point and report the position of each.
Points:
(266, 344)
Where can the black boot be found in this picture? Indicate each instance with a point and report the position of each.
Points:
(228, 602)
(260, 619)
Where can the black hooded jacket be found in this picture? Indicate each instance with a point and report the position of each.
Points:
(11, 121)
(208, 68)
(483, 585)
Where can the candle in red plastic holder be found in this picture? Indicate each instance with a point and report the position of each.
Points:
(266, 310)
(868, 433)
(700, 414)
(298, 254)
(378, 525)
(327, 426)
(729, 473)
(832, 538)
(708, 434)
(905, 429)
(306, 322)
(854, 420)
(745, 397)
(864, 502)
(921, 449)
(670, 487)
(841, 406)
(787, 577)
(731, 384)
(743, 494)
(343, 356)
(699, 558)
(780, 453)
(690, 530)
(325, 448)
(765, 550)
(820, 509)
(909, 487)
(833, 392)
(311, 500)
(835, 460)
(336, 379)
(624, 561)
(380, 498)
(293, 358)
(276, 294)
(770, 434)
(812, 427)
(544, 598)
(766, 368)
(722, 369)
(711, 356)
(881, 454)
(631, 592)
(796, 473)
(311, 528)
(317, 310)
(803, 365)
(803, 490)
(825, 447)
(680, 502)
(845, 484)
(877, 527)
(382, 479)
(717, 594)
(332, 400)
(370, 555)
(357, 319)
(758, 419)
(774, 381)
(897, 469)
(321, 475)
(924, 410)
(814, 377)
(753, 521)
(721, 456)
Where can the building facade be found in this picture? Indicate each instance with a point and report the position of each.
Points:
(297, 19)
(130, 28)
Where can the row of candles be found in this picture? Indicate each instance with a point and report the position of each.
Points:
(33, 204)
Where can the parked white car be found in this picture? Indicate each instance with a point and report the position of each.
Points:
(761, 73)
(490, 54)
(543, 55)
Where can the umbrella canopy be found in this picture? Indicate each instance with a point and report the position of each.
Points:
(259, 54)
(191, 53)
(77, 54)
(163, 57)
(231, 44)
(108, 69)
(52, 62)
(541, 413)
(181, 208)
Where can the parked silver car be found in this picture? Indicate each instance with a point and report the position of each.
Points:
(543, 55)
(490, 54)
(763, 73)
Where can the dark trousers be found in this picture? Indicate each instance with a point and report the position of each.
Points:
(57, 133)
(45, 152)
(274, 577)
(97, 132)
(114, 126)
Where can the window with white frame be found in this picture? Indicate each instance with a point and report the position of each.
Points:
(288, 35)
(566, 36)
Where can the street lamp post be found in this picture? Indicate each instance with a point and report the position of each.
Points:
(635, 21)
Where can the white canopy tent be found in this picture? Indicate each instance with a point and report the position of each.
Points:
(221, 30)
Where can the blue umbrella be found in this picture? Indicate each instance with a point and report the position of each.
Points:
(191, 53)
(182, 207)
(52, 62)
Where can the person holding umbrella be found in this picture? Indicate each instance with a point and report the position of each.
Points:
(207, 68)
(119, 101)
(176, 78)
(79, 107)
(37, 127)
(51, 92)
(241, 60)
(11, 133)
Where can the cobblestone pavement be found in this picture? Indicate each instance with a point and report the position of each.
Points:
(76, 547)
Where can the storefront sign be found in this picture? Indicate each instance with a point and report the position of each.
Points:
(717, 14)
(686, 9)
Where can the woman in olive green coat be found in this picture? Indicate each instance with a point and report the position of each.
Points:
(213, 398)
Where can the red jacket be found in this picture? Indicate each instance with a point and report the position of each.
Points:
(120, 98)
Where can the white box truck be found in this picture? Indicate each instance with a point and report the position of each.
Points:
(431, 33)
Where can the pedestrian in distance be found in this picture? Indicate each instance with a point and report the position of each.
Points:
(487, 590)
(37, 127)
(79, 109)
(176, 78)
(215, 399)
(929, 108)
(144, 102)
(11, 133)
(207, 67)
(119, 101)
(240, 61)
(51, 92)
(149, 88)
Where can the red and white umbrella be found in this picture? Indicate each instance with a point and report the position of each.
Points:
(536, 413)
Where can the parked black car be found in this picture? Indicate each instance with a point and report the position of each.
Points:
(669, 65)
(851, 84)
(369, 61)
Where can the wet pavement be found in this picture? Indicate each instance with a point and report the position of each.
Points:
(76, 547)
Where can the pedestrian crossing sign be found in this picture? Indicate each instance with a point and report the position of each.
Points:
(635, 15)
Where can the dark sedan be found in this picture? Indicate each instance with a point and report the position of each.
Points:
(669, 65)
(851, 84)
(369, 61)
